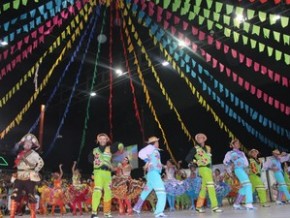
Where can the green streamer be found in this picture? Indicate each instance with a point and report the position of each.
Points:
(261, 47)
(6, 6)
(270, 51)
(227, 32)
(227, 19)
(250, 14)
(206, 13)
(262, 16)
(284, 21)
(246, 27)
(236, 36)
(229, 9)
(209, 24)
(218, 7)
(266, 33)
(166, 3)
(287, 58)
(256, 30)
(286, 39)
(277, 36)
(253, 43)
(216, 16)
(245, 39)
(278, 55)
(209, 3)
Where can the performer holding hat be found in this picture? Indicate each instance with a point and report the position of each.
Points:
(102, 173)
(201, 154)
(255, 177)
(150, 154)
(274, 164)
(28, 164)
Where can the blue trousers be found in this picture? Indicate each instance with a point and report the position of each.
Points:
(282, 187)
(246, 189)
(154, 182)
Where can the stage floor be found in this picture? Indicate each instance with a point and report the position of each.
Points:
(274, 211)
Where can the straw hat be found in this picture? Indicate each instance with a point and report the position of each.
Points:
(152, 140)
(31, 139)
(103, 134)
(252, 151)
(233, 141)
(276, 151)
(200, 135)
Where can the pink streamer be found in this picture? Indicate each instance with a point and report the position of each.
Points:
(241, 57)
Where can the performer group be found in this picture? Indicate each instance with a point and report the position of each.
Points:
(197, 188)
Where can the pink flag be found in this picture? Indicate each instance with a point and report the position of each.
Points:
(265, 97)
(247, 85)
(218, 44)
(277, 77)
(253, 89)
(226, 49)
(194, 31)
(165, 24)
(214, 62)
(209, 40)
(256, 66)
(259, 93)
(222, 67)
(168, 15)
(249, 62)
(241, 57)
(234, 53)
(184, 25)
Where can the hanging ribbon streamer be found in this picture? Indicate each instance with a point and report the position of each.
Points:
(135, 104)
(72, 27)
(17, 120)
(66, 70)
(83, 140)
(261, 137)
(111, 73)
(91, 36)
(145, 89)
(243, 106)
(36, 37)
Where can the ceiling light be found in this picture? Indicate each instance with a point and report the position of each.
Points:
(119, 72)
(165, 63)
(3, 43)
(240, 18)
(181, 43)
(92, 94)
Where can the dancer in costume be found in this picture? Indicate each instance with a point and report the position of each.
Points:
(202, 155)
(57, 191)
(222, 189)
(274, 164)
(237, 160)
(28, 163)
(192, 185)
(255, 177)
(150, 154)
(173, 187)
(102, 173)
(124, 188)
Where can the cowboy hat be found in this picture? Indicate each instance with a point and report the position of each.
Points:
(103, 134)
(200, 135)
(253, 150)
(31, 139)
(152, 140)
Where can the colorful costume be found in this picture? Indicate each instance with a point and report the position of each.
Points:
(274, 164)
(173, 186)
(150, 154)
(202, 156)
(102, 174)
(240, 162)
(255, 178)
(124, 188)
(28, 163)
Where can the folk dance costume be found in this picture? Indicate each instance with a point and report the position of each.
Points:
(28, 163)
(192, 186)
(124, 188)
(222, 189)
(274, 164)
(238, 160)
(102, 174)
(201, 154)
(255, 177)
(173, 187)
(150, 154)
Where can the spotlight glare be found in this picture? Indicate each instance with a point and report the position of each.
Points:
(3, 43)
(240, 18)
(119, 72)
(181, 43)
(277, 17)
(92, 94)
(165, 63)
